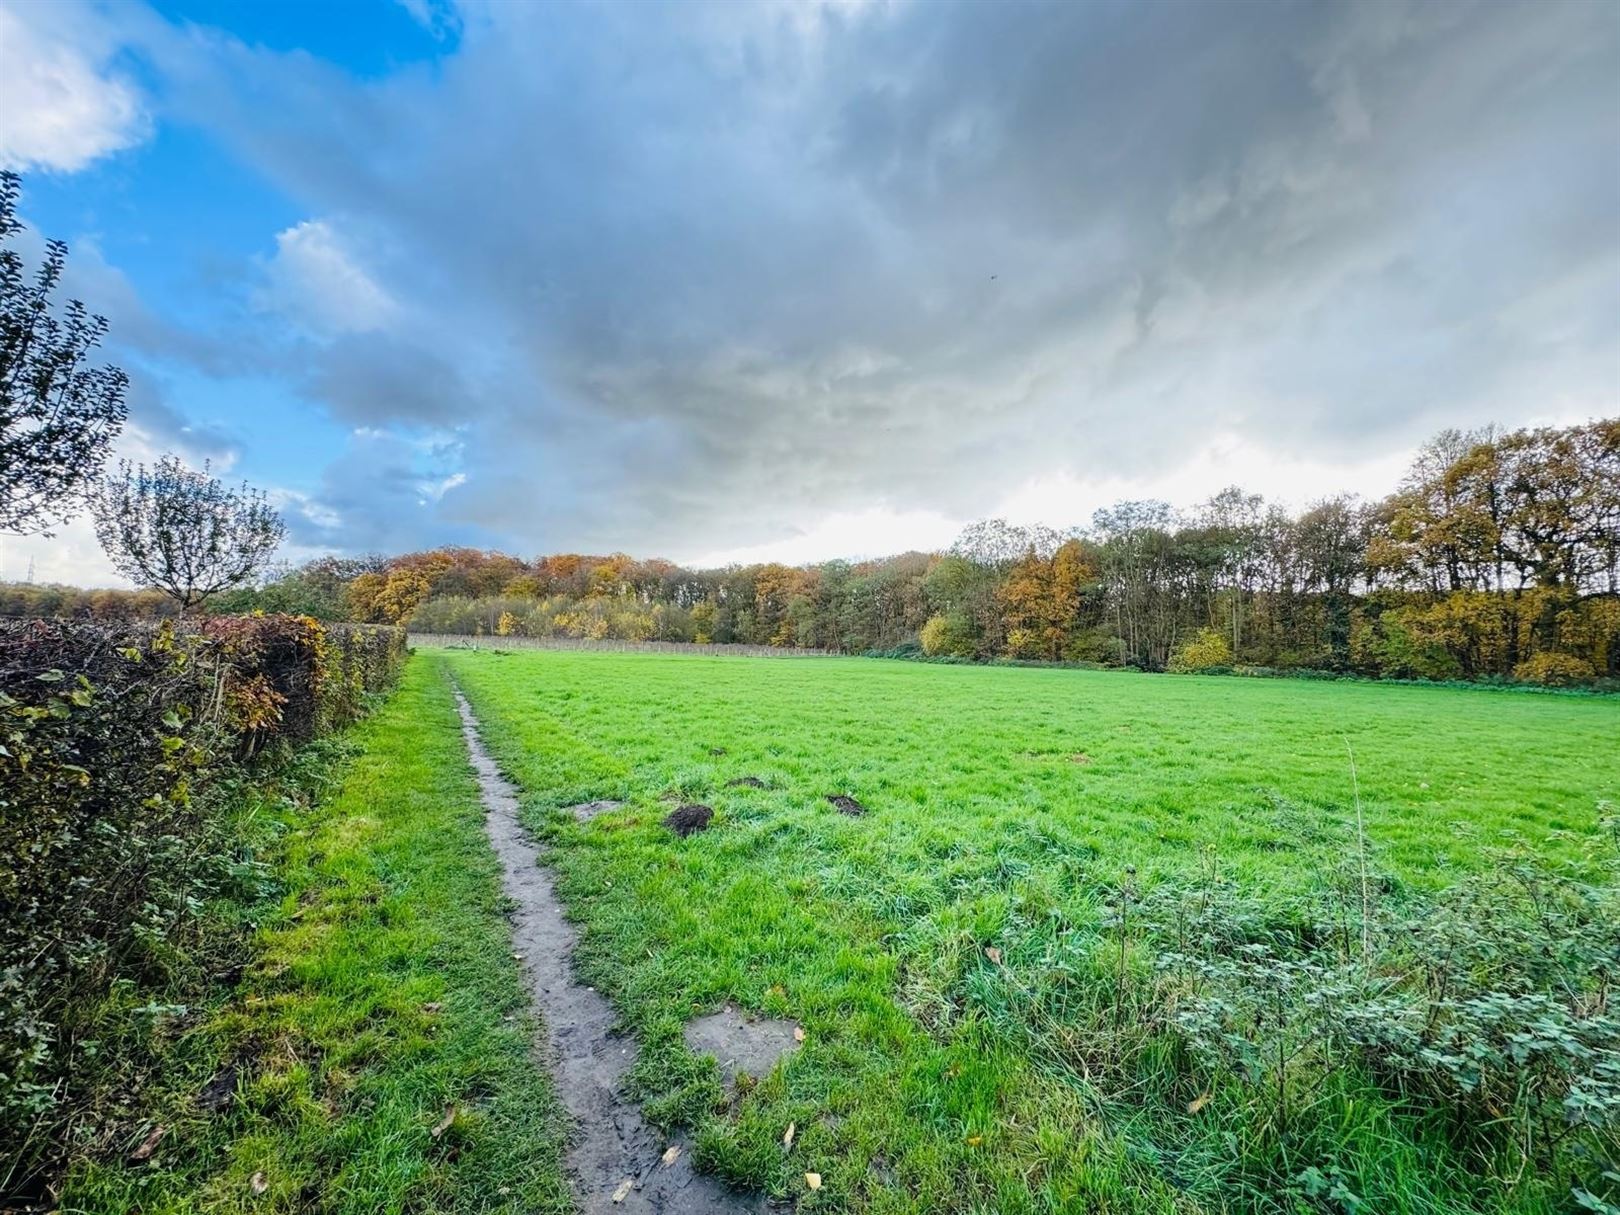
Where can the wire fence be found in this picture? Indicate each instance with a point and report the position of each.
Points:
(458, 641)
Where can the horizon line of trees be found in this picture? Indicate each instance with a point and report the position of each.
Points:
(1497, 556)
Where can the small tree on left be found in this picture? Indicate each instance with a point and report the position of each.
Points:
(58, 416)
(184, 532)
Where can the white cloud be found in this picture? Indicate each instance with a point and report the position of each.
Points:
(62, 105)
(317, 283)
(855, 535)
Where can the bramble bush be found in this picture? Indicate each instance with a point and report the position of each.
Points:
(119, 747)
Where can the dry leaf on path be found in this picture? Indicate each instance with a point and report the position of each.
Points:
(787, 1138)
(444, 1124)
(671, 1154)
(798, 1033)
(625, 1186)
(149, 1143)
(813, 1180)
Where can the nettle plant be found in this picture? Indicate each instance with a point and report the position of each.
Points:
(1258, 1025)
(1492, 1003)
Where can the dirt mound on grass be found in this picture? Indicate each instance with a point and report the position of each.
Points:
(746, 782)
(846, 805)
(688, 820)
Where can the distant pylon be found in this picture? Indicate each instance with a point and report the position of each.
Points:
(30, 579)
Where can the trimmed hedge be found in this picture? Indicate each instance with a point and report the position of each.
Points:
(119, 743)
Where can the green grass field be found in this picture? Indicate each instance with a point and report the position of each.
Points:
(920, 945)
(974, 962)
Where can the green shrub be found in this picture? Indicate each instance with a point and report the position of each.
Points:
(118, 746)
(950, 635)
(1205, 651)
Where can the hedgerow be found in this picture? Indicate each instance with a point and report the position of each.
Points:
(120, 747)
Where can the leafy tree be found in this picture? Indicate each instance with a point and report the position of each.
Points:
(58, 417)
(184, 532)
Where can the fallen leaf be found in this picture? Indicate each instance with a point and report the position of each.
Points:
(993, 954)
(1198, 1103)
(787, 1138)
(625, 1186)
(149, 1143)
(671, 1154)
(257, 1184)
(444, 1124)
(798, 1033)
(975, 1140)
(813, 1180)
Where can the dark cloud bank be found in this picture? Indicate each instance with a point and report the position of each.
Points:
(662, 271)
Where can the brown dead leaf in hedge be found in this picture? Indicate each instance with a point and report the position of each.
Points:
(1198, 1103)
(257, 1184)
(993, 954)
(149, 1144)
(445, 1122)
(787, 1137)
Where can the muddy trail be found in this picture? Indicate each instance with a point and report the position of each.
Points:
(616, 1161)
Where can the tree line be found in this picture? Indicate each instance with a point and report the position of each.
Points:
(1497, 557)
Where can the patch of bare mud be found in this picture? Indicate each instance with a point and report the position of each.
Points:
(740, 1045)
(586, 811)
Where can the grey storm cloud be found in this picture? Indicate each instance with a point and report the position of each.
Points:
(719, 267)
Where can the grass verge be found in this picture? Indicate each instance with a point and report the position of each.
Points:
(382, 1002)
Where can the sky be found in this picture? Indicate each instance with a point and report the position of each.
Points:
(789, 281)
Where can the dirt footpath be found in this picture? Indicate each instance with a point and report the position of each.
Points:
(616, 1161)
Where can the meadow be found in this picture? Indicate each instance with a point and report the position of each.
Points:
(997, 964)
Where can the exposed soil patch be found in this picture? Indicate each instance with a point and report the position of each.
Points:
(746, 782)
(617, 1162)
(689, 820)
(1079, 757)
(220, 1091)
(846, 805)
(586, 811)
(741, 1046)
